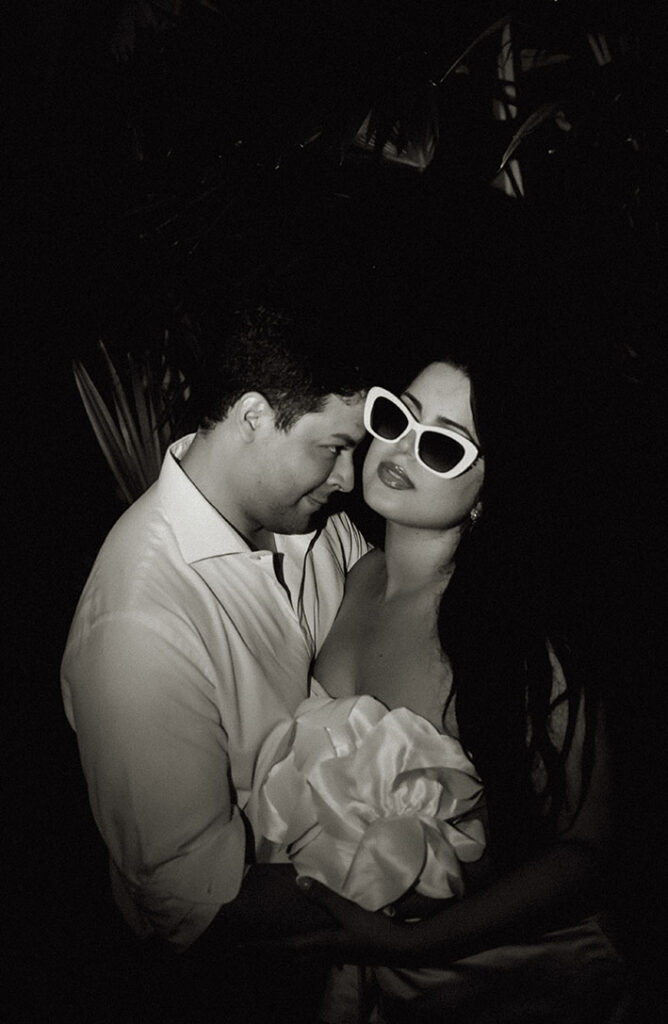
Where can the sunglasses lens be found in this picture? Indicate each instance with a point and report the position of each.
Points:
(387, 419)
(440, 452)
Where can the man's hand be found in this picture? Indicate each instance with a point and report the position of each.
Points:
(362, 936)
(270, 906)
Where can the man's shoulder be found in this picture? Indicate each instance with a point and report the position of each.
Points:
(140, 529)
(139, 555)
(341, 533)
(341, 525)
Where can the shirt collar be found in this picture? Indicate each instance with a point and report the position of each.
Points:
(201, 531)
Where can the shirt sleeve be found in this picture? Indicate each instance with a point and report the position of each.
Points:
(352, 541)
(154, 754)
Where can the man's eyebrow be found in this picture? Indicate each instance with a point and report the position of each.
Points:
(442, 419)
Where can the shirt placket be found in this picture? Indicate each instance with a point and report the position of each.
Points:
(291, 587)
(295, 573)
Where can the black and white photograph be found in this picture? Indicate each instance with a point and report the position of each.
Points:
(336, 442)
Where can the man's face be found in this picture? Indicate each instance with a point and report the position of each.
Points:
(299, 469)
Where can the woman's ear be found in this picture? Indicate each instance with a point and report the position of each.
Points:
(252, 413)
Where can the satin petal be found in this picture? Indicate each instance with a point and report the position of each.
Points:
(372, 802)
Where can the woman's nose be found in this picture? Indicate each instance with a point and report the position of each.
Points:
(407, 443)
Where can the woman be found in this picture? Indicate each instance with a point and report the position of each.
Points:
(465, 651)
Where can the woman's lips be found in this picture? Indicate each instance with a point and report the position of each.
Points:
(394, 476)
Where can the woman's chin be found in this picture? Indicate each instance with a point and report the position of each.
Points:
(382, 499)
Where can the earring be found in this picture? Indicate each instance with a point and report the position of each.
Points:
(475, 513)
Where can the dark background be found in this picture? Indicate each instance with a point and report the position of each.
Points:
(157, 194)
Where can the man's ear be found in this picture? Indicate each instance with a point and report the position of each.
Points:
(252, 413)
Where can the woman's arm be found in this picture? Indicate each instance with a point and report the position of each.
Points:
(550, 891)
(557, 887)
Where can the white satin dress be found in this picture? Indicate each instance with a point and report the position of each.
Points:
(373, 803)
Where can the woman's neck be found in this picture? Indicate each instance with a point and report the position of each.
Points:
(419, 560)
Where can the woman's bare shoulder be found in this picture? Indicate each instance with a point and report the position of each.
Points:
(366, 571)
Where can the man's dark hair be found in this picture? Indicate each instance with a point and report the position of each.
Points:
(294, 361)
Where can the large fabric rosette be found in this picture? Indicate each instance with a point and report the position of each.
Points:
(373, 802)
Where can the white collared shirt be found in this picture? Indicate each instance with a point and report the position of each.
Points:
(185, 652)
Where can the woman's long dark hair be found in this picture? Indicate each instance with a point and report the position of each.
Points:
(497, 643)
(501, 613)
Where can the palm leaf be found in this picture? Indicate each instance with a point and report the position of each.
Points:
(135, 429)
(486, 32)
(539, 116)
(106, 432)
(145, 420)
(161, 426)
(160, 408)
(126, 422)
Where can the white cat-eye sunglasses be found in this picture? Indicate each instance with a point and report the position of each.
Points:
(439, 449)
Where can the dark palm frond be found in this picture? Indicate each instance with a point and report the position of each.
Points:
(146, 412)
(128, 425)
(107, 433)
(544, 113)
(488, 31)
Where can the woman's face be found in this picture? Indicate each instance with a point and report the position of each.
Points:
(402, 490)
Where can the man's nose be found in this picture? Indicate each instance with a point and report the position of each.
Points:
(343, 473)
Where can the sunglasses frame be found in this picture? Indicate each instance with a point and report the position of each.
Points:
(471, 451)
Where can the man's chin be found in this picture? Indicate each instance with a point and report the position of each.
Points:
(304, 522)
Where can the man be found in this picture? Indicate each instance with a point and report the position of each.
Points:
(192, 640)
